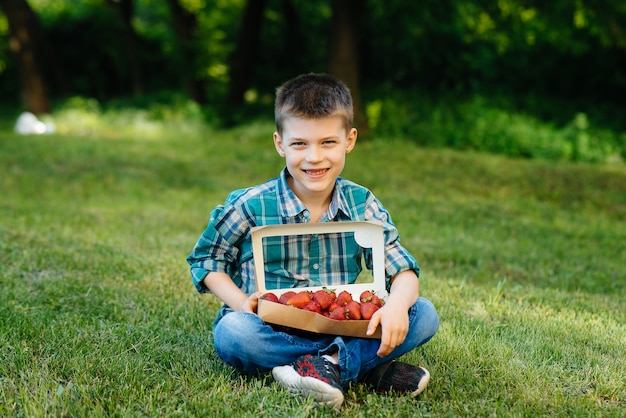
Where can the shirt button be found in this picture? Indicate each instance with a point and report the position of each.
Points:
(316, 266)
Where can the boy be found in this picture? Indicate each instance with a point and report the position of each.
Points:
(314, 133)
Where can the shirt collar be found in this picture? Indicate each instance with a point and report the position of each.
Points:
(291, 206)
(339, 202)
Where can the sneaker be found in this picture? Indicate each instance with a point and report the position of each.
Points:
(312, 376)
(399, 377)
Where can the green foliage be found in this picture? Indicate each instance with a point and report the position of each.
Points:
(152, 116)
(89, 44)
(291, 43)
(478, 124)
(481, 124)
(7, 66)
(524, 260)
(548, 48)
(559, 48)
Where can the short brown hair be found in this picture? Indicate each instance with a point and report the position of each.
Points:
(313, 96)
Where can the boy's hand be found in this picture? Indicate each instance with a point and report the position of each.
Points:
(393, 317)
(251, 303)
(394, 321)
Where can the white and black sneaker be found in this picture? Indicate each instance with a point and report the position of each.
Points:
(312, 376)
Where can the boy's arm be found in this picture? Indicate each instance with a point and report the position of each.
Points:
(222, 286)
(393, 317)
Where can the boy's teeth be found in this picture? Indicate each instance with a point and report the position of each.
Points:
(315, 171)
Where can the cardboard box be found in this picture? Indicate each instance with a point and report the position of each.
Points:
(367, 235)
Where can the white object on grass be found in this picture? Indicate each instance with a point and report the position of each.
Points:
(28, 124)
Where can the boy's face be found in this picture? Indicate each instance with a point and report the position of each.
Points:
(315, 153)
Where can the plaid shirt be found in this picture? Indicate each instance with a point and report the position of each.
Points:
(328, 259)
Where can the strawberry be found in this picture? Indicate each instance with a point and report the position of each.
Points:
(313, 306)
(368, 309)
(370, 296)
(339, 314)
(343, 298)
(300, 299)
(366, 296)
(353, 310)
(324, 297)
(285, 297)
(377, 301)
(332, 307)
(270, 297)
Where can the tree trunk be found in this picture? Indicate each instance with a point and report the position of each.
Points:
(344, 53)
(242, 61)
(125, 10)
(185, 26)
(295, 45)
(27, 44)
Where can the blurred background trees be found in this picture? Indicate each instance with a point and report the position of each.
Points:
(553, 60)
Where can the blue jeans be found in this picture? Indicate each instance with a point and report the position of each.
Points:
(247, 343)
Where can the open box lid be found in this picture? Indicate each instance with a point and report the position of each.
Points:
(367, 234)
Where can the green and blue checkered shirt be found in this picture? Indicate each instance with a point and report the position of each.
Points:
(294, 261)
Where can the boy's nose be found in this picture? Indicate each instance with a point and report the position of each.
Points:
(314, 154)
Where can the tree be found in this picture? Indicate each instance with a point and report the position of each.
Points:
(124, 9)
(185, 27)
(344, 53)
(242, 61)
(28, 44)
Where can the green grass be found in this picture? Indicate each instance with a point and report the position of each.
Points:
(523, 259)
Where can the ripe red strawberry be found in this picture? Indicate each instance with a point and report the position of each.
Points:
(300, 299)
(343, 298)
(370, 296)
(270, 297)
(313, 306)
(367, 310)
(332, 307)
(324, 297)
(285, 297)
(366, 296)
(338, 314)
(377, 301)
(353, 310)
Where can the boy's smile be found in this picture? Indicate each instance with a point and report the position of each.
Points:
(315, 153)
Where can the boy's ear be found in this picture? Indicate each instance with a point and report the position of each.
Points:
(278, 144)
(352, 134)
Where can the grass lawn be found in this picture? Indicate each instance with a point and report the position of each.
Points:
(524, 259)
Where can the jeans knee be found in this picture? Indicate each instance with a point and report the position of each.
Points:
(231, 330)
(427, 317)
